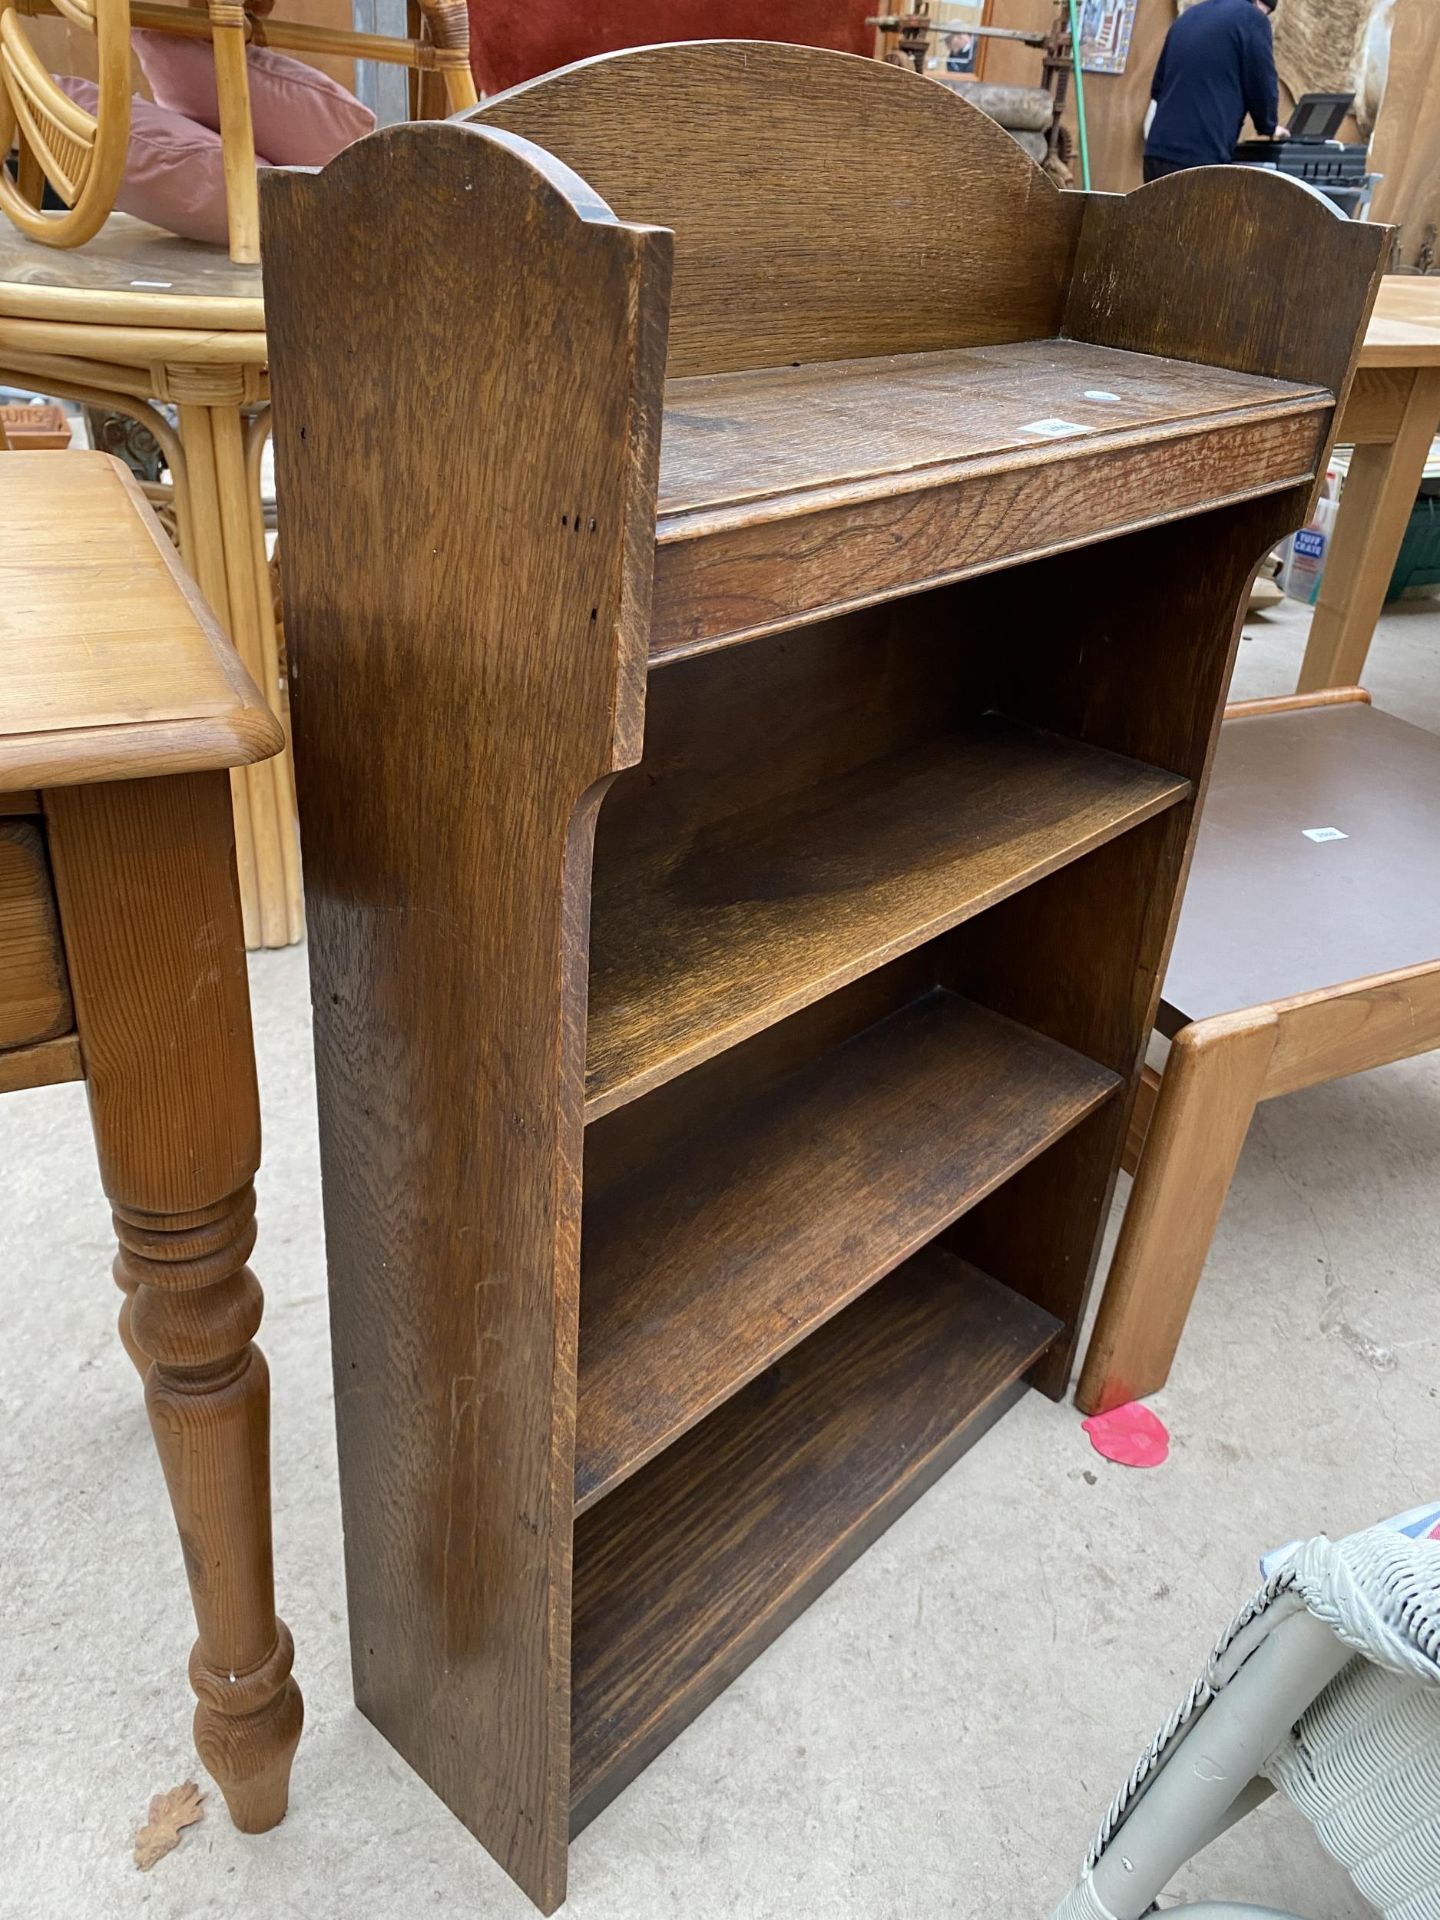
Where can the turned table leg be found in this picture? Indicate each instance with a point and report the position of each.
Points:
(149, 907)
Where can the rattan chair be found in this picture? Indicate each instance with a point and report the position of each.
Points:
(82, 156)
(1327, 1685)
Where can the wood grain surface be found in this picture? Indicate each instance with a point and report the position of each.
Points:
(692, 1568)
(523, 776)
(766, 911)
(738, 439)
(772, 164)
(715, 1260)
(465, 610)
(110, 662)
(47, 1064)
(34, 991)
(727, 575)
(145, 877)
(1404, 329)
(1187, 267)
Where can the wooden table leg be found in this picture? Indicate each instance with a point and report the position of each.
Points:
(1208, 1092)
(145, 879)
(1375, 504)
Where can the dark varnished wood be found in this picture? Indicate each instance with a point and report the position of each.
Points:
(797, 491)
(751, 152)
(693, 1567)
(34, 992)
(766, 911)
(1081, 957)
(1178, 268)
(493, 609)
(768, 440)
(986, 785)
(717, 1259)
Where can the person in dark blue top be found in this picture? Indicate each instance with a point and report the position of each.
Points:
(1217, 65)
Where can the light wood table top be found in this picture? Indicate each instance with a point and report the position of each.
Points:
(1404, 328)
(110, 662)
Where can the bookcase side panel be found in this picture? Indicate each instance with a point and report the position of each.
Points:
(1189, 267)
(468, 502)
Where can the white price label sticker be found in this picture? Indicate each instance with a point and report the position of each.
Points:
(1324, 833)
(1052, 429)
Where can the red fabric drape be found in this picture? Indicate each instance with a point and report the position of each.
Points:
(513, 40)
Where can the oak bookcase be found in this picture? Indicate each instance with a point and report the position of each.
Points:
(762, 569)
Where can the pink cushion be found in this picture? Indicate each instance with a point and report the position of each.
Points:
(174, 176)
(301, 117)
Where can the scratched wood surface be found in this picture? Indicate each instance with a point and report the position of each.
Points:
(693, 1567)
(728, 575)
(715, 1260)
(737, 438)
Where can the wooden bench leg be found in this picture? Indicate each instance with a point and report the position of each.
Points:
(149, 907)
(1212, 1080)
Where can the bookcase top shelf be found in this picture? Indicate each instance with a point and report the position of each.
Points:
(769, 441)
(795, 491)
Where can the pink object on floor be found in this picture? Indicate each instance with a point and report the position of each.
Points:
(1131, 1435)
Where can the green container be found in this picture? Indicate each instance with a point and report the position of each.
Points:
(1418, 564)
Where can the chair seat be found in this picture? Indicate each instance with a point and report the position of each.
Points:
(1363, 1766)
(1269, 911)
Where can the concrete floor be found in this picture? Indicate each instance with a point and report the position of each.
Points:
(937, 1736)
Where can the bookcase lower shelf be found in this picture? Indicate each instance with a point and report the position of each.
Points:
(692, 1567)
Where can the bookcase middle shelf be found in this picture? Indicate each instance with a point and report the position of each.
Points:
(754, 916)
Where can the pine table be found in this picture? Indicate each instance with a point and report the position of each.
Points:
(122, 963)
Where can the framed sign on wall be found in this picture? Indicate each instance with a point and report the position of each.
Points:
(1105, 30)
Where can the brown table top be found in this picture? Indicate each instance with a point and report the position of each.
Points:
(111, 665)
(1270, 913)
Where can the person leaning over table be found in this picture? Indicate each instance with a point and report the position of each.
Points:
(1217, 65)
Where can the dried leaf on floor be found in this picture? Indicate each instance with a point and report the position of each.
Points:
(169, 1812)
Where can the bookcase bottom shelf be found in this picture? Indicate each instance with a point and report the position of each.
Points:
(692, 1567)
